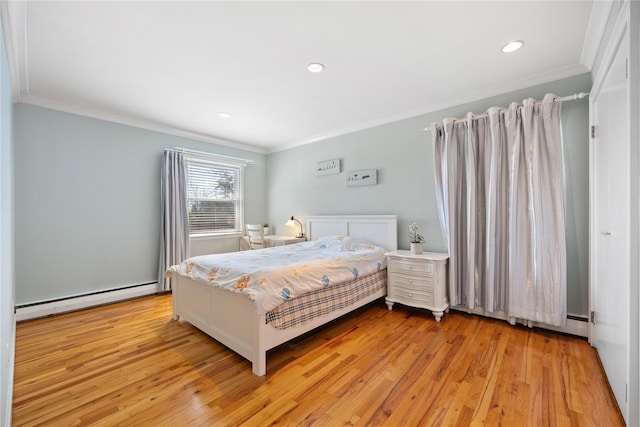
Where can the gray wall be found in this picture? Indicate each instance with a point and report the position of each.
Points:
(7, 318)
(87, 197)
(403, 155)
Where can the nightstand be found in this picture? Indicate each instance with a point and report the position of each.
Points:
(418, 280)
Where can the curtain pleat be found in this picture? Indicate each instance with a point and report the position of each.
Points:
(500, 194)
(174, 217)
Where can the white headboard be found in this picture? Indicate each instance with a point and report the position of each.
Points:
(379, 229)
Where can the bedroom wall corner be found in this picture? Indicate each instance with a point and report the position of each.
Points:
(7, 285)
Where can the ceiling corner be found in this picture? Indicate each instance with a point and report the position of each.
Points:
(595, 31)
(14, 26)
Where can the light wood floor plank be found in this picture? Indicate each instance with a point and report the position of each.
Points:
(129, 364)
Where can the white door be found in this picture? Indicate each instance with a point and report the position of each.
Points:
(610, 255)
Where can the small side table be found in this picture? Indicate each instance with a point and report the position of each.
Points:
(418, 280)
(272, 240)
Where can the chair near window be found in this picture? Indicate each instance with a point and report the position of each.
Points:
(255, 233)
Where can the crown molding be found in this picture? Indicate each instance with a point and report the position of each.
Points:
(595, 31)
(488, 92)
(14, 28)
(142, 124)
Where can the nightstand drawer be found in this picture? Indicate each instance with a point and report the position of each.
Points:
(411, 282)
(410, 265)
(414, 290)
(412, 297)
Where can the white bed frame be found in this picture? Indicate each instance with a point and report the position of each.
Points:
(231, 318)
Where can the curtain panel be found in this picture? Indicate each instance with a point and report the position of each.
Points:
(174, 216)
(500, 194)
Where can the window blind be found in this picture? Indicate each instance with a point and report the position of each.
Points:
(214, 195)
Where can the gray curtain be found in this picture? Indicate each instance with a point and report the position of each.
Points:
(174, 217)
(500, 193)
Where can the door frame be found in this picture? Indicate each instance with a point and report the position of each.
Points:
(628, 21)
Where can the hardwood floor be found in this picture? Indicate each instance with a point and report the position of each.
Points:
(130, 364)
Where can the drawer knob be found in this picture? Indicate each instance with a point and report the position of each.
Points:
(410, 267)
(410, 281)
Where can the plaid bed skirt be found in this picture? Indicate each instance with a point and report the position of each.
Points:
(305, 308)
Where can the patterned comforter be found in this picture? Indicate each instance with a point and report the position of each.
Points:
(274, 275)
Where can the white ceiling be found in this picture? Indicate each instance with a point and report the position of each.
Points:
(173, 66)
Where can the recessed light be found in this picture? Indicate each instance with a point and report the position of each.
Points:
(512, 46)
(315, 67)
(224, 115)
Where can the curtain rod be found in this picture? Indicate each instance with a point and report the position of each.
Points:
(212, 156)
(573, 97)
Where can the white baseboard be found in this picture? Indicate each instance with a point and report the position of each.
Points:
(85, 301)
(573, 326)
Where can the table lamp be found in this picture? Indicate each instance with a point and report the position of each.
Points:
(292, 223)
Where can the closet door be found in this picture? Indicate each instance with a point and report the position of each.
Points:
(611, 228)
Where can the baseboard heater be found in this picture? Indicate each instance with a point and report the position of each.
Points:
(576, 325)
(79, 302)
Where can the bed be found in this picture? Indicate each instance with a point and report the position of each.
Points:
(234, 320)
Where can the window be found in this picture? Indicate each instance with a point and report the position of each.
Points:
(214, 195)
